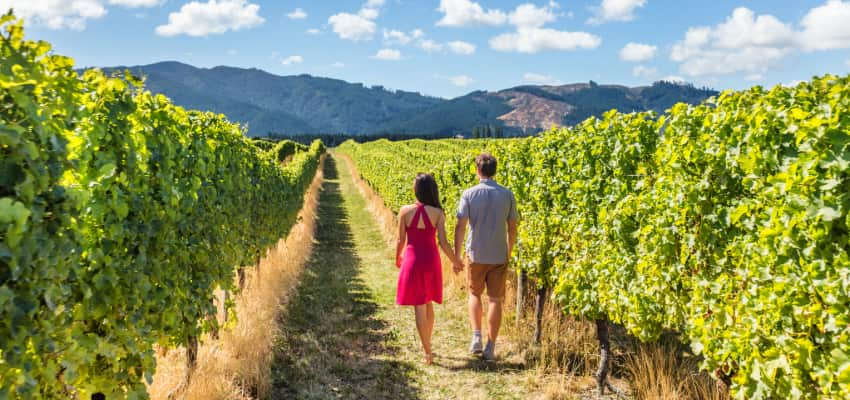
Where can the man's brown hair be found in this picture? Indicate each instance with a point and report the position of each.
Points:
(486, 164)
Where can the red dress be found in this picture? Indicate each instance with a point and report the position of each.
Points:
(421, 278)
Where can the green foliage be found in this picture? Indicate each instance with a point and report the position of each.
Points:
(120, 214)
(726, 222)
(286, 148)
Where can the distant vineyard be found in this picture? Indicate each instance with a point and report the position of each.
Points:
(120, 214)
(726, 222)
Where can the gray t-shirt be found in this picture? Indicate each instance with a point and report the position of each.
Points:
(488, 206)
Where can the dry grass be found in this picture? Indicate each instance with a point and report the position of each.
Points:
(568, 355)
(237, 366)
(662, 372)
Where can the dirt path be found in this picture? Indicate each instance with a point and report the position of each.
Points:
(345, 338)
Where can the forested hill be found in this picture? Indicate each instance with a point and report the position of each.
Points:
(269, 103)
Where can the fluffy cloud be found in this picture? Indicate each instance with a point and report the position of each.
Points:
(459, 47)
(214, 16)
(637, 52)
(533, 40)
(644, 72)
(531, 37)
(461, 80)
(458, 13)
(352, 26)
(387, 55)
(615, 10)
(530, 16)
(674, 79)
(297, 14)
(743, 43)
(396, 37)
(357, 27)
(70, 14)
(136, 3)
(532, 77)
(827, 27)
(430, 46)
(292, 60)
(751, 44)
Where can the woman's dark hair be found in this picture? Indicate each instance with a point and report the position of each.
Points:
(425, 188)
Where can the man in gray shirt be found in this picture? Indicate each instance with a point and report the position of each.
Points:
(491, 211)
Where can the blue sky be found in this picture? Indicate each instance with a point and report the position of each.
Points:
(450, 47)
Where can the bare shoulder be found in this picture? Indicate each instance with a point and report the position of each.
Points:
(405, 210)
(435, 212)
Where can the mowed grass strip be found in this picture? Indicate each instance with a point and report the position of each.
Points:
(344, 337)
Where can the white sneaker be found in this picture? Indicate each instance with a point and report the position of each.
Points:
(475, 347)
(489, 352)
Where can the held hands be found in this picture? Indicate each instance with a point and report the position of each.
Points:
(457, 266)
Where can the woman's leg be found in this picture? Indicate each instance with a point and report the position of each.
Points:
(421, 313)
(430, 313)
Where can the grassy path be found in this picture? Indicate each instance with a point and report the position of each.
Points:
(344, 337)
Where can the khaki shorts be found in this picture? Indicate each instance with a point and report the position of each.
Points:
(491, 276)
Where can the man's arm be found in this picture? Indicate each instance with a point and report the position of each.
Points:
(460, 232)
(512, 224)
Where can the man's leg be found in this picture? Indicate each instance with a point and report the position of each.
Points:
(475, 311)
(494, 320)
(496, 279)
(475, 279)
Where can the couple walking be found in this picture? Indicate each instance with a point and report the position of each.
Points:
(491, 212)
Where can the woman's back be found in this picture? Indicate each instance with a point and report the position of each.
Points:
(420, 278)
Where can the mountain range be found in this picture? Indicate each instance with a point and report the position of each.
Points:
(285, 105)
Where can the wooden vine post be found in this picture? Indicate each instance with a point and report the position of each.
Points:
(521, 278)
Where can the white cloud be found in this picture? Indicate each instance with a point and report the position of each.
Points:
(337, 65)
(314, 31)
(70, 14)
(459, 47)
(357, 27)
(136, 3)
(352, 27)
(461, 80)
(57, 14)
(532, 77)
(827, 27)
(292, 60)
(369, 13)
(615, 10)
(793, 83)
(387, 55)
(530, 16)
(393, 36)
(673, 79)
(637, 52)
(458, 13)
(430, 46)
(214, 16)
(743, 43)
(297, 14)
(417, 33)
(644, 72)
(533, 40)
(754, 77)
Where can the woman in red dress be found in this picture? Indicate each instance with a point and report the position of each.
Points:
(420, 281)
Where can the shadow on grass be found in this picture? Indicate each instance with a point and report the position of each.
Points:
(332, 344)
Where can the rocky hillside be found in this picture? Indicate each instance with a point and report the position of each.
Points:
(272, 104)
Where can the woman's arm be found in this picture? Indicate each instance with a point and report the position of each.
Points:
(444, 241)
(402, 237)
